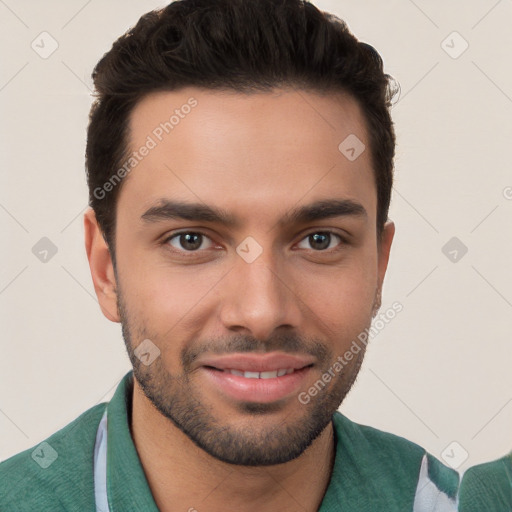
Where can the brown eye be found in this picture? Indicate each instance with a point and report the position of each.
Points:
(188, 241)
(320, 240)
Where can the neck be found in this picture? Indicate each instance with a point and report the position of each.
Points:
(182, 476)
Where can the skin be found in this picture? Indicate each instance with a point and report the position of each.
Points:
(257, 157)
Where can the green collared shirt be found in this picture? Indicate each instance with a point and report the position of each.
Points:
(373, 470)
(487, 487)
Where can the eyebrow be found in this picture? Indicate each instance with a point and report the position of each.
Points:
(322, 209)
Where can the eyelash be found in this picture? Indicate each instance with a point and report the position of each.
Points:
(165, 242)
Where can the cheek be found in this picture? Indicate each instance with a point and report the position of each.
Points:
(342, 297)
(153, 282)
(171, 300)
(166, 296)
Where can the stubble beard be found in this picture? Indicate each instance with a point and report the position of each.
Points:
(248, 441)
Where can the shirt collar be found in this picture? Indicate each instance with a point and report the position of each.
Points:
(127, 487)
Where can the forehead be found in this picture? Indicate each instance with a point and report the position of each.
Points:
(251, 151)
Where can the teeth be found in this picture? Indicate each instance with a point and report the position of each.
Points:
(262, 375)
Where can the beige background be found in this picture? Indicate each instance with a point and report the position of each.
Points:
(438, 373)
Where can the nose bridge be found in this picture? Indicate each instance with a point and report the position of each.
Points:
(257, 297)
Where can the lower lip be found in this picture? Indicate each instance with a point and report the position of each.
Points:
(257, 390)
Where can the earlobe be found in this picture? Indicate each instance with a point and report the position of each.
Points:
(100, 264)
(384, 248)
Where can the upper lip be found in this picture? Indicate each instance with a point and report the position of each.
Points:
(257, 362)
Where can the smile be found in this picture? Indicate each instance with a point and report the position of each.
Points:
(260, 375)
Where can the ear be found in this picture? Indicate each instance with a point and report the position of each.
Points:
(383, 249)
(100, 263)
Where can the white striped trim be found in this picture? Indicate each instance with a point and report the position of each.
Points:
(428, 497)
(100, 466)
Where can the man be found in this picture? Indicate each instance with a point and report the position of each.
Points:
(239, 161)
(487, 487)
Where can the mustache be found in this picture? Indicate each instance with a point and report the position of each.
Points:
(283, 342)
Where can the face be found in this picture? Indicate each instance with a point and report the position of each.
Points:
(247, 262)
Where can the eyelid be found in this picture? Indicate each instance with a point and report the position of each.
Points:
(344, 235)
(167, 239)
(343, 239)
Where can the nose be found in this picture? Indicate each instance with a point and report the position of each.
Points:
(259, 298)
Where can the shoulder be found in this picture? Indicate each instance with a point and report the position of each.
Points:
(56, 474)
(396, 461)
(487, 487)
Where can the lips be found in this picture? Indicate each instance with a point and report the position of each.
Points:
(260, 363)
(261, 375)
(253, 377)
